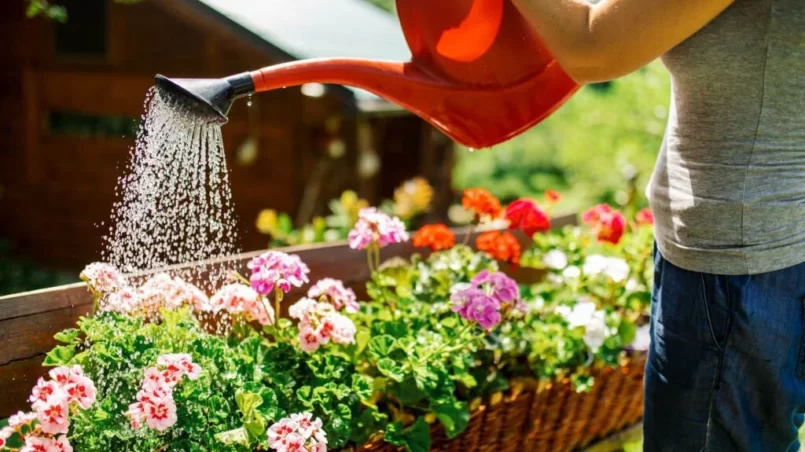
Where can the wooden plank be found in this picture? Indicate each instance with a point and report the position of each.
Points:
(18, 378)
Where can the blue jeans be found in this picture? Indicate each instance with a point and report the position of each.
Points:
(726, 367)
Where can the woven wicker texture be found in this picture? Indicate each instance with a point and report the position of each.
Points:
(551, 418)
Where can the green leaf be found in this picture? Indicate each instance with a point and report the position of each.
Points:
(60, 356)
(379, 346)
(370, 422)
(389, 368)
(627, 332)
(68, 336)
(362, 338)
(248, 402)
(415, 438)
(284, 223)
(237, 436)
(453, 415)
(362, 386)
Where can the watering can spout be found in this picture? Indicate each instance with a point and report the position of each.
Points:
(478, 72)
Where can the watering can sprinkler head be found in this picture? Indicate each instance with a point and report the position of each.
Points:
(211, 97)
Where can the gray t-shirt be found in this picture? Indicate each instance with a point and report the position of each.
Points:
(728, 190)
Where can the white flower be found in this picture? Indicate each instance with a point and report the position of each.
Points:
(642, 339)
(458, 287)
(615, 268)
(580, 315)
(571, 272)
(555, 259)
(594, 265)
(596, 331)
(555, 279)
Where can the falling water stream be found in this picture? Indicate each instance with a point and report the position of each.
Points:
(174, 202)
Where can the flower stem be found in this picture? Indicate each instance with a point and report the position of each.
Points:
(278, 293)
(444, 346)
(369, 260)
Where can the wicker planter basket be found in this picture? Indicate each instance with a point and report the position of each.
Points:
(550, 418)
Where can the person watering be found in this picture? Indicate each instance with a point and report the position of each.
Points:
(726, 368)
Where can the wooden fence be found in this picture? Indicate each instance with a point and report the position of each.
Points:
(29, 320)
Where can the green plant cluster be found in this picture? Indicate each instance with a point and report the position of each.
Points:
(414, 362)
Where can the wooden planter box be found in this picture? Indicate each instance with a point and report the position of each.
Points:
(539, 416)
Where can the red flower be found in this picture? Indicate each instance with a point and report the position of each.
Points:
(644, 217)
(592, 216)
(435, 236)
(552, 197)
(481, 202)
(611, 226)
(526, 215)
(500, 245)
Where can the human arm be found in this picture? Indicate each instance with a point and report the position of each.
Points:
(610, 39)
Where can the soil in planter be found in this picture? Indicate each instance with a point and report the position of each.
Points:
(174, 202)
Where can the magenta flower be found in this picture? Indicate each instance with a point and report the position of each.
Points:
(476, 305)
(377, 227)
(334, 292)
(498, 285)
(277, 270)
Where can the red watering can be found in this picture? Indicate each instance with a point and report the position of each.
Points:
(478, 72)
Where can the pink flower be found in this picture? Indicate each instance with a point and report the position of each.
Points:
(298, 433)
(592, 215)
(5, 433)
(279, 431)
(301, 309)
(611, 226)
(81, 390)
(124, 301)
(136, 415)
(65, 375)
(309, 341)
(62, 444)
(275, 269)
(180, 364)
(52, 414)
(158, 380)
(102, 278)
(163, 291)
(20, 419)
(498, 285)
(334, 292)
(343, 330)
(238, 299)
(43, 390)
(374, 226)
(41, 444)
(475, 305)
(160, 413)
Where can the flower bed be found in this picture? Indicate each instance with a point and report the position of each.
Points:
(447, 344)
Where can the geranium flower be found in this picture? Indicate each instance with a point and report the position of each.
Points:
(555, 259)
(481, 202)
(615, 268)
(161, 290)
(299, 432)
(136, 415)
(608, 224)
(320, 323)
(82, 391)
(180, 364)
(434, 236)
(580, 315)
(102, 278)
(124, 301)
(571, 272)
(500, 286)
(42, 444)
(500, 245)
(160, 413)
(645, 217)
(239, 299)
(64, 375)
(596, 331)
(526, 215)
(52, 414)
(334, 292)
(376, 227)
(42, 391)
(475, 305)
(21, 419)
(277, 270)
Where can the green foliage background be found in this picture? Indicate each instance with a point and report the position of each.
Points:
(586, 150)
